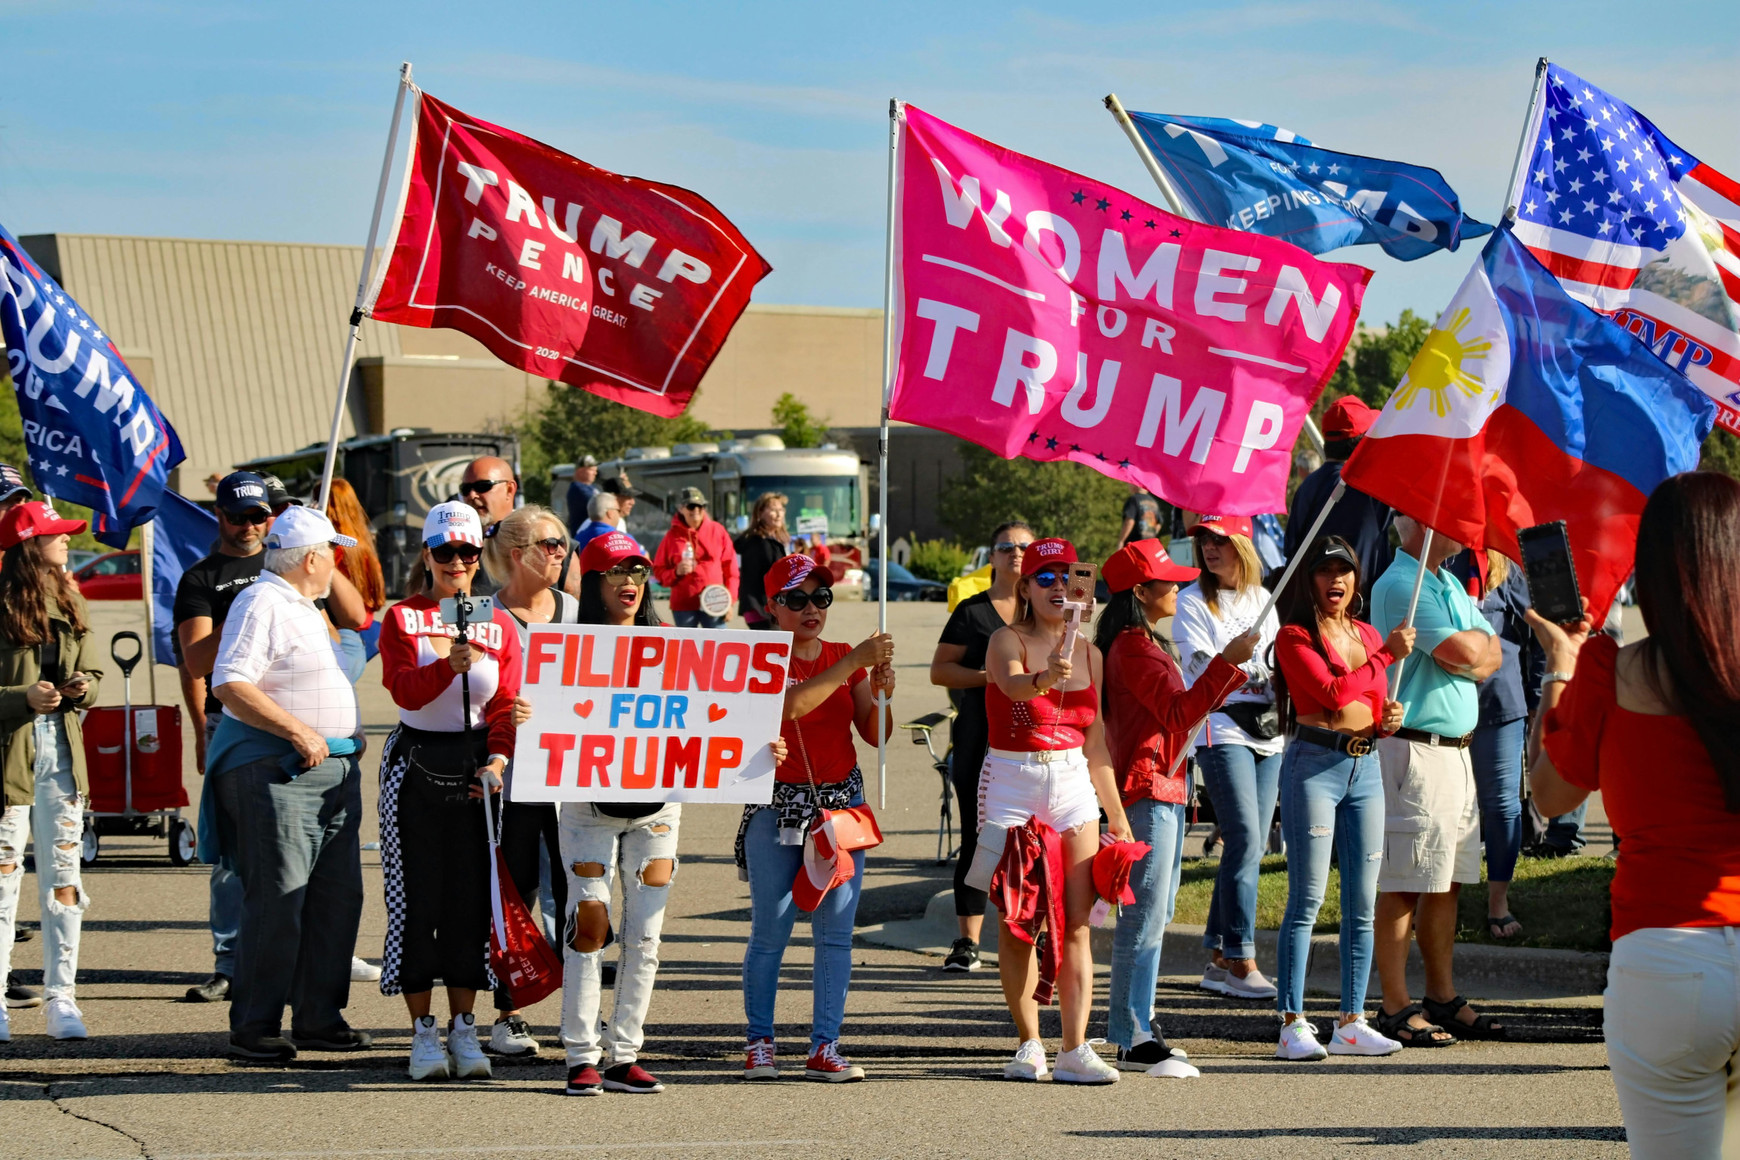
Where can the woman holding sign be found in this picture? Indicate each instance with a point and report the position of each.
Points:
(827, 697)
(1048, 761)
(435, 769)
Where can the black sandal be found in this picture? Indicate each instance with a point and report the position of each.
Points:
(1483, 1026)
(1398, 1028)
(1495, 925)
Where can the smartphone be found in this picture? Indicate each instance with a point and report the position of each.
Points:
(75, 685)
(475, 608)
(1552, 578)
(1079, 584)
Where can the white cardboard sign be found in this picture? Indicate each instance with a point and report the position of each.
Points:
(650, 714)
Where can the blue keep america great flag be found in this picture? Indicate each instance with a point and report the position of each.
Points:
(1264, 179)
(92, 434)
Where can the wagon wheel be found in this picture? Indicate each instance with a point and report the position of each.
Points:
(183, 843)
(90, 846)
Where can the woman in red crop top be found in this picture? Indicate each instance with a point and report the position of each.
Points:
(1653, 727)
(1048, 760)
(828, 695)
(434, 772)
(1332, 685)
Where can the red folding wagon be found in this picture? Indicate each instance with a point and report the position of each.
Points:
(133, 763)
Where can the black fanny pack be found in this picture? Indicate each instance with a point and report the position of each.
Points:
(1260, 719)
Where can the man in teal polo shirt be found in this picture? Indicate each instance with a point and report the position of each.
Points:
(1431, 812)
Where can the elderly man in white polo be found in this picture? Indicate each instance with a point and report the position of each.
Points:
(284, 764)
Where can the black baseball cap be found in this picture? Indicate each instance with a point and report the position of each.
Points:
(277, 495)
(242, 491)
(12, 483)
(618, 487)
(1332, 548)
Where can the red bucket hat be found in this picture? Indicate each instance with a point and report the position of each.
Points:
(607, 551)
(790, 571)
(1112, 867)
(1141, 561)
(1222, 526)
(34, 519)
(1045, 553)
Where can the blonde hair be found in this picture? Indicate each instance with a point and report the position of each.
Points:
(1497, 569)
(759, 525)
(517, 529)
(1250, 570)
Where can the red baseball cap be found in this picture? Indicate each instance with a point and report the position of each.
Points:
(1222, 526)
(1045, 553)
(790, 571)
(609, 550)
(35, 518)
(824, 867)
(1348, 418)
(1112, 866)
(1141, 561)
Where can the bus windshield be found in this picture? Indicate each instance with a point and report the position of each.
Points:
(808, 497)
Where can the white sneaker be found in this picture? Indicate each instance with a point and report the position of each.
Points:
(1252, 986)
(428, 1057)
(64, 1021)
(512, 1037)
(5, 1025)
(1214, 979)
(1028, 1064)
(1174, 1068)
(1083, 1066)
(363, 971)
(465, 1058)
(1361, 1038)
(1299, 1042)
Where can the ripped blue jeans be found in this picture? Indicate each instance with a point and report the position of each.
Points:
(1329, 800)
(58, 831)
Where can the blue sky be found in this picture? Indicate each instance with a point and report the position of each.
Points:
(260, 120)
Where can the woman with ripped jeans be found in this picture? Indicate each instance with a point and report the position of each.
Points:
(46, 675)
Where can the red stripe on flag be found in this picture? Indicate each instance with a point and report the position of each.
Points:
(1717, 182)
(1730, 281)
(1582, 270)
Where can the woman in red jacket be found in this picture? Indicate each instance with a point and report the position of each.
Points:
(695, 555)
(1332, 690)
(1150, 717)
(435, 768)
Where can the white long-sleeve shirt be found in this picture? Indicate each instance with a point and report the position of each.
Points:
(1201, 635)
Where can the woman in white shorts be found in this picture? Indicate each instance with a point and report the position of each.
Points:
(1048, 760)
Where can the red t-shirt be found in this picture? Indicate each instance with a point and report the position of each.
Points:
(1319, 684)
(1680, 864)
(825, 732)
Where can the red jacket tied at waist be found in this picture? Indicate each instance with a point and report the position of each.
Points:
(1028, 886)
(715, 562)
(1150, 715)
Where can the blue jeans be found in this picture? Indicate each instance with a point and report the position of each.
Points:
(1142, 924)
(1497, 757)
(771, 916)
(1565, 832)
(224, 907)
(1329, 799)
(695, 618)
(1242, 785)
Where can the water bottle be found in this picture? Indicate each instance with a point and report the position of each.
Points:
(689, 552)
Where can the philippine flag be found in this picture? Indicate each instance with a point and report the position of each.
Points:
(1526, 406)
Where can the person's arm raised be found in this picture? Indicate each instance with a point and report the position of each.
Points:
(803, 699)
(1552, 794)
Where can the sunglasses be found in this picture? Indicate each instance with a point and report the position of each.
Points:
(481, 486)
(550, 544)
(627, 574)
(797, 599)
(1012, 546)
(464, 553)
(1213, 538)
(1046, 579)
(255, 517)
(694, 507)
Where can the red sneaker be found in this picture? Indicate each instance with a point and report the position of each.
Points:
(827, 1065)
(632, 1078)
(584, 1080)
(758, 1061)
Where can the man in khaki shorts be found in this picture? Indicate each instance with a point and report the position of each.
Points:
(1431, 813)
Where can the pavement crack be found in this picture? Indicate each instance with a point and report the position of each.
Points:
(48, 1091)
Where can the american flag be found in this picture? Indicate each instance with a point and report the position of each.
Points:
(1638, 228)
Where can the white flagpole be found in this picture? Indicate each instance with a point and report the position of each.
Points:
(1413, 603)
(362, 285)
(882, 702)
(1513, 190)
(1176, 205)
(147, 541)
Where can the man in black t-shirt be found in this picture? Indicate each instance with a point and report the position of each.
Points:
(1141, 516)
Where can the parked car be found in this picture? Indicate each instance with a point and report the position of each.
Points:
(902, 585)
(77, 558)
(112, 576)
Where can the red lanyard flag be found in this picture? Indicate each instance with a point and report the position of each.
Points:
(617, 285)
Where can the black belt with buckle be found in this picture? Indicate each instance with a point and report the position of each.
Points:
(1331, 739)
(1462, 742)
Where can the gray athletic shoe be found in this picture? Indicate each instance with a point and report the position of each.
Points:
(1214, 979)
(1252, 986)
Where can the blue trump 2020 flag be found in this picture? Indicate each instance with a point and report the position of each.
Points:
(1264, 179)
(93, 435)
(186, 534)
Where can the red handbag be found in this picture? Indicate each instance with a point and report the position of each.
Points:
(855, 828)
(521, 958)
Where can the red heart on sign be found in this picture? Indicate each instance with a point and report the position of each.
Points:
(714, 712)
(584, 708)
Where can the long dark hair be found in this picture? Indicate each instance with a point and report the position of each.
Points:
(24, 577)
(1688, 589)
(1122, 611)
(592, 609)
(1298, 606)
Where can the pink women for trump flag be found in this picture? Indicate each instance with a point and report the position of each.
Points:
(1043, 314)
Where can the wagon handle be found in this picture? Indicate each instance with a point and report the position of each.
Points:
(126, 664)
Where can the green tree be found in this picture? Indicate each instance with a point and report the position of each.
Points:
(1377, 360)
(1057, 499)
(1721, 453)
(939, 560)
(571, 422)
(797, 426)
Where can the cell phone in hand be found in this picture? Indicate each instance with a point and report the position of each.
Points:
(75, 684)
(461, 608)
(1079, 583)
(1552, 577)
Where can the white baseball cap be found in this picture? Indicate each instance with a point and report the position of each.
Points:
(451, 521)
(300, 527)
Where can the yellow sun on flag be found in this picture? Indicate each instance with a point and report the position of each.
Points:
(1438, 366)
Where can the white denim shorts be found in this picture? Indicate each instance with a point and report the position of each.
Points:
(1431, 817)
(1016, 786)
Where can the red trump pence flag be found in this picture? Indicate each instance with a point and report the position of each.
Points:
(617, 285)
(1047, 315)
